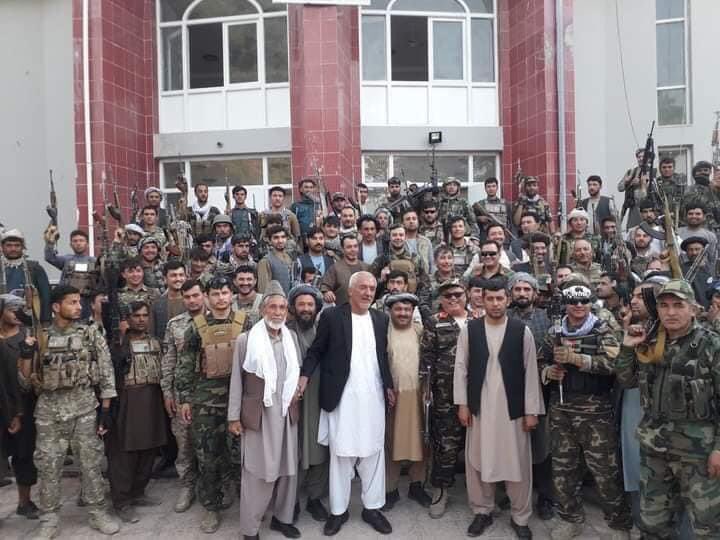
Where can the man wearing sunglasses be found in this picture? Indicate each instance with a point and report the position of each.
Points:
(486, 263)
(430, 226)
(437, 355)
(578, 362)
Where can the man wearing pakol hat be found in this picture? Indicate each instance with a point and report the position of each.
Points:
(18, 272)
(577, 221)
(696, 225)
(403, 435)
(305, 303)
(693, 248)
(578, 362)
(263, 408)
(679, 435)
(452, 203)
(153, 198)
(523, 289)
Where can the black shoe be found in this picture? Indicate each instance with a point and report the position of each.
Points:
(544, 508)
(419, 495)
(28, 510)
(164, 469)
(479, 524)
(504, 503)
(376, 520)
(317, 510)
(335, 523)
(522, 531)
(287, 530)
(391, 497)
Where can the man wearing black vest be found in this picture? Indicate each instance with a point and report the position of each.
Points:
(497, 391)
(597, 206)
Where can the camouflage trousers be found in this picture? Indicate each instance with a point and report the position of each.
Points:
(578, 437)
(53, 440)
(669, 485)
(212, 449)
(185, 463)
(448, 437)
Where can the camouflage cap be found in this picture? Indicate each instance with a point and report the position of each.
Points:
(222, 218)
(451, 180)
(677, 287)
(148, 240)
(450, 284)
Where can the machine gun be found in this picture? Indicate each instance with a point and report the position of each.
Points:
(52, 209)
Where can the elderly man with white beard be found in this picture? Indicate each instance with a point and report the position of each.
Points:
(263, 408)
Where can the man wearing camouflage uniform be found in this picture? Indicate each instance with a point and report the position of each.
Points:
(463, 251)
(392, 199)
(578, 230)
(679, 435)
(152, 264)
(437, 356)
(177, 328)
(492, 209)
(125, 244)
(705, 193)
(75, 364)
(453, 204)
(531, 202)
(430, 225)
(135, 289)
(202, 382)
(672, 184)
(578, 362)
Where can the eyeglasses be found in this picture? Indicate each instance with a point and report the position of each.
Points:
(488, 253)
(450, 295)
(576, 301)
(430, 211)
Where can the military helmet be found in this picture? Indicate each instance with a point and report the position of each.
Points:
(451, 180)
(222, 218)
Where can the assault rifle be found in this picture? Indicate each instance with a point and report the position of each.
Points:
(645, 169)
(52, 209)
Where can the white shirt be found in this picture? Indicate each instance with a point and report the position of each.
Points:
(356, 428)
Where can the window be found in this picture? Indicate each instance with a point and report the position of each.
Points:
(222, 53)
(430, 40)
(682, 156)
(671, 58)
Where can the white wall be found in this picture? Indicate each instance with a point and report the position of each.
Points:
(604, 139)
(36, 116)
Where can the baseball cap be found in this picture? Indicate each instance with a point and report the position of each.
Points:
(679, 288)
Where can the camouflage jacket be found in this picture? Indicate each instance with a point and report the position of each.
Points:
(709, 198)
(119, 252)
(592, 274)
(570, 240)
(600, 349)
(498, 208)
(153, 276)
(437, 352)
(674, 189)
(457, 206)
(435, 282)
(537, 206)
(462, 256)
(173, 344)
(127, 296)
(190, 384)
(67, 403)
(680, 395)
(434, 233)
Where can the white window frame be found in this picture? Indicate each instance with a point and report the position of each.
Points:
(686, 55)
(431, 16)
(185, 22)
(679, 148)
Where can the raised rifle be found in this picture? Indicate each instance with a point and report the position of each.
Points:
(134, 206)
(114, 208)
(52, 209)
(715, 143)
(227, 193)
(645, 169)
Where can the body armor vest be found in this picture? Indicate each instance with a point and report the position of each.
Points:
(217, 344)
(580, 382)
(679, 388)
(497, 208)
(67, 362)
(83, 276)
(145, 362)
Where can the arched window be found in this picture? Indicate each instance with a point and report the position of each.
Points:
(222, 43)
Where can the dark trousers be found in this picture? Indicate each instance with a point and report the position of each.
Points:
(542, 478)
(128, 472)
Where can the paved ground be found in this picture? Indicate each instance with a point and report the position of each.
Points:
(407, 518)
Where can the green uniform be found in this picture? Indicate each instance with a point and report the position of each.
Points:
(679, 396)
(127, 296)
(75, 365)
(709, 197)
(456, 205)
(434, 233)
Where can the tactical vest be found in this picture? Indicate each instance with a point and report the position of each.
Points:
(498, 210)
(676, 389)
(145, 363)
(407, 266)
(217, 343)
(67, 362)
(462, 257)
(580, 382)
(82, 275)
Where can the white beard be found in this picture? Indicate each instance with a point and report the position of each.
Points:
(274, 325)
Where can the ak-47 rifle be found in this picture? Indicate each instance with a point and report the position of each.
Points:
(32, 310)
(134, 206)
(715, 143)
(227, 194)
(479, 209)
(114, 208)
(52, 209)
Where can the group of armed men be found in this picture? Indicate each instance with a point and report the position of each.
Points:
(130, 355)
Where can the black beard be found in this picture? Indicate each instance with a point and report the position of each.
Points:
(304, 323)
(522, 302)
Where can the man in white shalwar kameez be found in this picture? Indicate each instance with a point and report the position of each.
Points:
(497, 390)
(263, 409)
(354, 430)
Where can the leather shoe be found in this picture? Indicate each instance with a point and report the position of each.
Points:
(522, 531)
(287, 530)
(544, 507)
(391, 497)
(376, 520)
(479, 524)
(335, 523)
(316, 509)
(419, 495)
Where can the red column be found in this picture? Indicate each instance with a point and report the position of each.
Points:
(528, 94)
(325, 94)
(123, 99)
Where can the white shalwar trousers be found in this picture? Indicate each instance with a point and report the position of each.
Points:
(371, 470)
